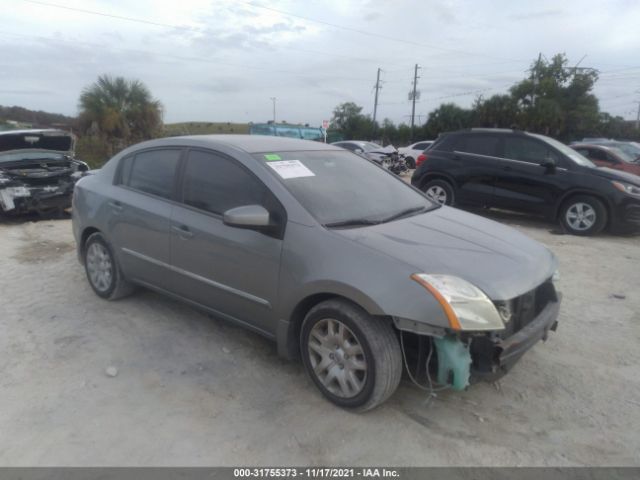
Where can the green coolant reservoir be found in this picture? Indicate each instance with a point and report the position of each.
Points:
(454, 362)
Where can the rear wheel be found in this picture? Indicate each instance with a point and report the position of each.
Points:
(102, 270)
(353, 358)
(440, 191)
(583, 215)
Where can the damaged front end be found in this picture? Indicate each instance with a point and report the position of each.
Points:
(37, 171)
(458, 358)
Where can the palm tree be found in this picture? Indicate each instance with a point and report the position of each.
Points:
(119, 110)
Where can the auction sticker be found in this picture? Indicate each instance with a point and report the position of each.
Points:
(291, 169)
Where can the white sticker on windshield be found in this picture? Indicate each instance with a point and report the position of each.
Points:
(291, 169)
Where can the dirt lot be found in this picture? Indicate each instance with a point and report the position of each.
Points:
(192, 390)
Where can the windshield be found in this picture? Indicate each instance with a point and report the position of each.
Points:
(25, 156)
(632, 152)
(338, 187)
(622, 155)
(567, 151)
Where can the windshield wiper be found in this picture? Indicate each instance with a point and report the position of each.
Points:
(405, 213)
(354, 222)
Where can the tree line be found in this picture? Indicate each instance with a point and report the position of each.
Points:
(555, 100)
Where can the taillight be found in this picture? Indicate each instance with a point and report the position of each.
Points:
(421, 158)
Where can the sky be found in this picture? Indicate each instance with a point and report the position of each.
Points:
(224, 60)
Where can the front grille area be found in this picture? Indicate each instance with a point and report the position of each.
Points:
(528, 306)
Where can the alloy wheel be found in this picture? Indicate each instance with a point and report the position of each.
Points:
(581, 216)
(99, 267)
(437, 194)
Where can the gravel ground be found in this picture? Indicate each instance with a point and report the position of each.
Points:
(192, 390)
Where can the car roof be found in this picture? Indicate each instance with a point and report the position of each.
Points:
(37, 131)
(593, 145)
(252, 143)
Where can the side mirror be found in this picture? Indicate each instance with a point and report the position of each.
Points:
(247, 216)
(549, 163)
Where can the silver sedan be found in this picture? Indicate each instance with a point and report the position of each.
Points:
(331, 256)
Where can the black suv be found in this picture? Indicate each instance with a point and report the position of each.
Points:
(522, 171)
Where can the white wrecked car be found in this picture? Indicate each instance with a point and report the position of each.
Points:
(37, 171)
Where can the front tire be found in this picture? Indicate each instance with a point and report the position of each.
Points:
(583, 215)
(102, 270)
(439, 191)
(353, 358)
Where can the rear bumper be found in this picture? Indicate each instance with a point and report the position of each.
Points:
(492, 358)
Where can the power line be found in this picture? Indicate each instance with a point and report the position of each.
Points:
(108, 15)
(372, 34)
(180, 27)
(282, 12)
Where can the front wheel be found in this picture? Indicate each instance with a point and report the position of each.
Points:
(353, 358)
(583, 215)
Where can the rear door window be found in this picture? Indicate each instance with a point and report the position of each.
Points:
(479, 144)
(152, 172)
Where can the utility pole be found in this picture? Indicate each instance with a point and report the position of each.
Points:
(273, 99)
(375, 102)
(535, 72)
(413, 100)
(638, 118)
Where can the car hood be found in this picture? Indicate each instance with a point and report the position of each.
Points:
(499, 260)
(615, 175)
(389, 149)
(39, 140)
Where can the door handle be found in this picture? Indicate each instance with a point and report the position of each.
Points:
(117, 206)
(183, 231)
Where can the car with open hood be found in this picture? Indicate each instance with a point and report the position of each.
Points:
(37, 171)
(356, 277)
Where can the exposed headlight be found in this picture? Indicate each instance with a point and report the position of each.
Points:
(627, 188)
(556, 276)
(465, 305)
(505, 309)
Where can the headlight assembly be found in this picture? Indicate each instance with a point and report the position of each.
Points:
(465, 305)
(627, 188)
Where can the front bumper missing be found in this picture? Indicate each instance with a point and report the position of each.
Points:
(494, 357)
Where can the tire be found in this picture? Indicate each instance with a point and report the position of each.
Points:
(411, 163)
(103, 273)
(440, 191)
(583, 215)
(372, 377)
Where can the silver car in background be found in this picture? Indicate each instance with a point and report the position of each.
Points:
(331, 256)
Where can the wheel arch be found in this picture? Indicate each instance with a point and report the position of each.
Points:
(437, 176)
(582, 191)
(289, 330)
(86, 233)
